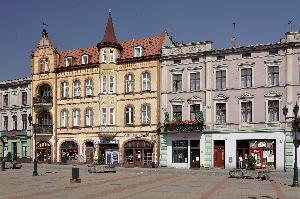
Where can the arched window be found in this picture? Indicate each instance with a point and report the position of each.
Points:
(88, 88)
(129, 110)
(146, 114)
(112, 56)
(44, 65)
(129, 83)
(64, 90)
(88, 117)
(63, 118)
(146, 81)
(76, 88)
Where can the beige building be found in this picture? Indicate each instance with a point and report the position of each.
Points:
(102, 99)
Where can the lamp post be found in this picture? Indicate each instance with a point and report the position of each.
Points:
(295, 126)
(34, 173)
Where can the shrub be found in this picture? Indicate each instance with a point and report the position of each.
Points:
(101, 160)
(9, 157)
(251, 162)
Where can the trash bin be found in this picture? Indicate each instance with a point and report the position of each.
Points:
(2, 165)
(75, 173)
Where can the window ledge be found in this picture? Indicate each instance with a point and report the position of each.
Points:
(221, 126)
(245, 125)
(273, 124)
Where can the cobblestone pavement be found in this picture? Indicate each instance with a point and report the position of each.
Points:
(53, 182)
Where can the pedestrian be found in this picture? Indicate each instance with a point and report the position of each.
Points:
(240, 161)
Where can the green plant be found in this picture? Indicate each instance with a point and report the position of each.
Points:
(9, 157)
(167, 117)
(251, 162)
(101, 160)
(200, 117)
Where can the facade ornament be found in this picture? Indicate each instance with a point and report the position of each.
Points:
(221, 97)
(177, 100)
(273, 94)
(194, 99)
(246, 96)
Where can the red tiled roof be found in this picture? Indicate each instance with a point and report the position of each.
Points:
(109, 35)
(151, 47)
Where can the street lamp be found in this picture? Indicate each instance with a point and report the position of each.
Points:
(295, 126)
(34, 173)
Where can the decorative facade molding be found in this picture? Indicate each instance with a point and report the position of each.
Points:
(221, 97)
(177, 100)
(273, 94)
(177, 70)
(273, 62)
(195, 68)
(220, 66)
(194, 100)
(186, 49)
(246, 96)
(246, 64)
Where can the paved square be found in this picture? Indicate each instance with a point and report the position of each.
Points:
(53, 182)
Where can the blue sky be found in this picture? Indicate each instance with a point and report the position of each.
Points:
(81, 23)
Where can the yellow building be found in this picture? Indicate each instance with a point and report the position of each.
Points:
(102, 99)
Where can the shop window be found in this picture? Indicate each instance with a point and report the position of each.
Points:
(180, 151)
(69, 151)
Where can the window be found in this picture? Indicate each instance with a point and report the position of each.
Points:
(63, 118)
(273, 52)
(195, 59)
(129, 115)
(44, 118)
(5, 123)
(220, 57)
(246, 77)
(64, 90)
(221, 113)
(273, 75)
(194, 111)
(112, 56)
(88, 117)
(104, 116)
(103, 84)
(44, 65)
(273, 110)
(104, 56)
(146, 81)
(76, 118)
(195, 81)
(246, 111)
(177, 82)
(84, 59)
(76, 88)
(246, 55)
(24, 98)
(180, 151)
(138, 51)
(177, 112)
(221, 79)
(129, 83)
(69, 61)
(146, 114)
(24, 149)
(24, 121)
(15, 122)
(112, 84)
(111, 116)
(5, 100)
(88, 87)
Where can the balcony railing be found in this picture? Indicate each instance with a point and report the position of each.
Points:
(44, 129)
(42, 101)
(184, 126)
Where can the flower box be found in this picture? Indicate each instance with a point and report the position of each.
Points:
(187, 125)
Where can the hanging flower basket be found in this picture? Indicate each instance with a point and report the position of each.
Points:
(187, 125)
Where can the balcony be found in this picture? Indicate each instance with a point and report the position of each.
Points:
(45, 129)
(42, 101)
(184, 126)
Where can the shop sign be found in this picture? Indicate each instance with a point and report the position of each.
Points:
(262, 144)
(109, 142)
(13, 133)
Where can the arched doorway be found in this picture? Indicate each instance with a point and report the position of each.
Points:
(69, 152)
(138, 153)
(43, 152)
(89, 152)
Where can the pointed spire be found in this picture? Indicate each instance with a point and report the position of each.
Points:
(109, 38)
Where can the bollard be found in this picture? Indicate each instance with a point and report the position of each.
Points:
(75, 175)
(2, 165)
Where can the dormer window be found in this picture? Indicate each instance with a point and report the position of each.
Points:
(138, 51)
(84, 59)
(69, 61)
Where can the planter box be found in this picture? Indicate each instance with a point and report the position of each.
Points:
(102, 169)
(12, 165)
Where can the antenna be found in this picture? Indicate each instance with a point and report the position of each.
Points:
(234, 28)
(291, 24)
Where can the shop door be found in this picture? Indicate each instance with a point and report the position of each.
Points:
(219, 154)
(112, 156)
(195, 158)
(138, 157)
(15, 151)
(89, 155)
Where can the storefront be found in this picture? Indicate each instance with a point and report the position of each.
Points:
(43, 150)
(17, 143)
(138, 153)
(69, 152)
(110, 150)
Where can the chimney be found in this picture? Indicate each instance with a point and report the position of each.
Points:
(233, 42)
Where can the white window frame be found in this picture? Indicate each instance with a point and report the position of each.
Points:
(220, 98)
(112, 56)
(76, 88)
(273, 95)
(219, 68)
(63, 118)
(138, 51)
(64, 89)
(129, 83)
(189, 82)
(146, 119)
(272, 63)
(83, 58)
(103, 84)
(131, 119)
(88, 87)
(111, 116)
(246, 97)
(76, 118)
(146, 79)
(69, 61)
(182, 86)
(111, 84)
(88, 117)
(104, 116)
(191, 103)
(103, 56)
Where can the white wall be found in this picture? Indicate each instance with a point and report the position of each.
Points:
(230, 145)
